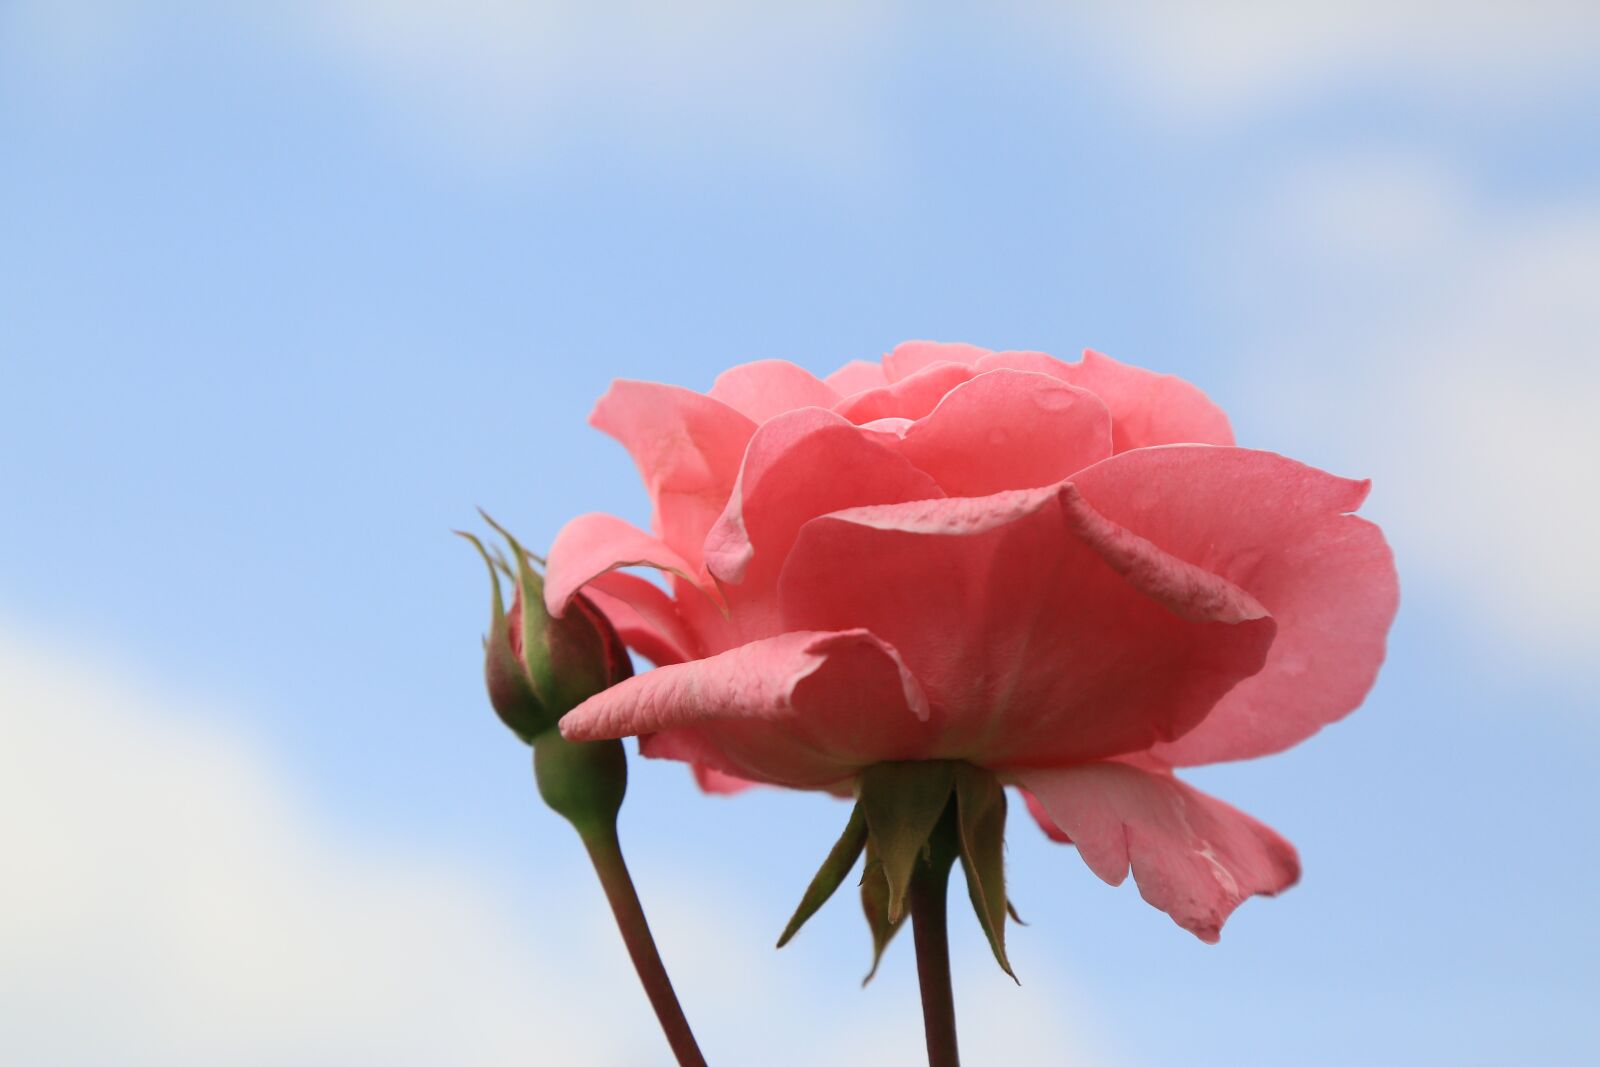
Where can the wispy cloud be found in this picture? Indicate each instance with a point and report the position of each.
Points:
(1451, 355)
(1242, 57)
(810, 83)
(783, 80)
(169, 899)
(504, 79)
(506, 82)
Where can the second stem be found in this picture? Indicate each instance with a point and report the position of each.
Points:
(606, 853)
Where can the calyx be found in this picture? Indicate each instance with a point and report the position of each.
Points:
(911, 813)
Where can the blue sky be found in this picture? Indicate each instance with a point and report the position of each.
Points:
(287, 290)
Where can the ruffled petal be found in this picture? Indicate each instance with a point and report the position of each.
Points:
(1042, 818)
(593, 544)
(857, 376)
(1043, 632)
(1282, 531)
(909, 357)
(711, 780)
(1009, 429)
(706, 762)
(1032, 362)
(910, 397)
(798, 466)
(1194, 857)
(715, 626)
(1147, 408)
(645, 617)
(687, 447)
(769, 387)
(802, 709)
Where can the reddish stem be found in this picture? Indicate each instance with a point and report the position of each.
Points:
(606, 853)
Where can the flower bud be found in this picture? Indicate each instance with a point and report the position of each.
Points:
(538, 668)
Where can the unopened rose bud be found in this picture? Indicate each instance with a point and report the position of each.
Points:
(538, 668)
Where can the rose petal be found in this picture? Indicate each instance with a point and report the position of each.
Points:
(798, 466)
(711, 780)
(687, 448)
(1032, 362)
(1147, 408)
(1042, 817)
(769, 387)
(909, 398)
(802, 709)
(713, 624)
(706, 762)
(909, 357)
(856, 376)
(1009, 430)
(592, 544)
(1194, 857)
(1280, 530)
(1045, 633)
(645, 617)
(894, 427)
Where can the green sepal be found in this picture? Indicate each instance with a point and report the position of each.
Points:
(920, 815)
(902, 803)
(500, 563)
(981, 820)
(568, 660)
(510, 693)
(534, 621)
(831, 874)
(875, 905)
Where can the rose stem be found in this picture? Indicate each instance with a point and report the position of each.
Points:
(606, 853)
(929, 893)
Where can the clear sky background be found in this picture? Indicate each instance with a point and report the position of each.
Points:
(286, 289)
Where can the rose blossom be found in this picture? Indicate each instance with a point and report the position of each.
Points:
(1064, 573)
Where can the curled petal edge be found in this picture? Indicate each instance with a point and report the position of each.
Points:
(595, 544)
(1193, 856)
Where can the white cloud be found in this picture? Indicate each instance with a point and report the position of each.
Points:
(168, 900)
(1244, 56)
(1450, 353)
(719, 57)
(507, 78)
(1496, 433)
(781, 80)
(1362, 210)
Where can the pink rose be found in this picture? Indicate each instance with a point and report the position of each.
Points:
(1064, 573)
